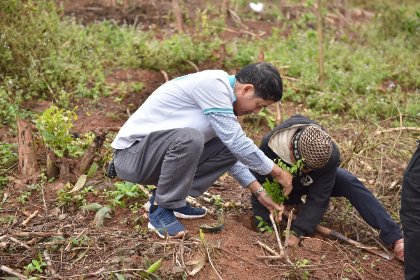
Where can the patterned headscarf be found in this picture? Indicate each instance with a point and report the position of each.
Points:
(314, 145)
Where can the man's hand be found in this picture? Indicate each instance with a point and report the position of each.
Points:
(293, 240)
(267, 201)
(283, 177)
(275, 209)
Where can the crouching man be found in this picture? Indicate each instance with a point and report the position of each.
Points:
(186, 135)
(320, 179)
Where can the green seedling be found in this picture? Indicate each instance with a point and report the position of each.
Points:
(274, 189)
(263, 226)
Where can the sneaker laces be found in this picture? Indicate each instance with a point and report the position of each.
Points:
(167, 217)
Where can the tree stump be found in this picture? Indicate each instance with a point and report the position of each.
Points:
(52, 169)
(63, 165)
(90, 154)
(27, 151)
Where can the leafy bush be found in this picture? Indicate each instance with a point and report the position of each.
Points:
(54, 126)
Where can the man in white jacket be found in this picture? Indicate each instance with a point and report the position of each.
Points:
(187, 134)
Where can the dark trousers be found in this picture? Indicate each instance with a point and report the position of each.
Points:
(410, 217)
(348, 186)
(177, 160)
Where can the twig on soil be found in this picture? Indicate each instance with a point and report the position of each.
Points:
(109, 272)
(357, 272)
(128, 112)
(77, 237)
(182, 255)
(208, 254)
(11, 271)
(236, 255)
(165, 75)
(40, 234)
(45, 203)
(49, 263)
(10, 168)
(286, 242)
(277, 234)
(20, 243)
(143, 189)
(25, 222)
(271, 251)
(193, 65)
(398, 129)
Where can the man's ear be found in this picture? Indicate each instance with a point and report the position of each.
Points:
(247, 87)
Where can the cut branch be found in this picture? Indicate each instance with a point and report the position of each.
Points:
(277, 234)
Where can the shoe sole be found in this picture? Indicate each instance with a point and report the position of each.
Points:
(188, 217)
(179, 235)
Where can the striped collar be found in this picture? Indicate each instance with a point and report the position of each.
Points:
(232, 82)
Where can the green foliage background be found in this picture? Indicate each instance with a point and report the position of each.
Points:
(44, 55)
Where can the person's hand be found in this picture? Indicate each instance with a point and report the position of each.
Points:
(275, 209)
(293, 240)
(283, 177)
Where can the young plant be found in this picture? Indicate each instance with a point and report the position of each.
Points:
(274, 189)
(36, 265)
(263, 226)
(54, 126)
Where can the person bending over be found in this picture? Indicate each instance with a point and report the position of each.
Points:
(186, 135)
(319, 179)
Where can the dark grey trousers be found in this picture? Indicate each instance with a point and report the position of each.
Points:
(410, 216)
(177, 161)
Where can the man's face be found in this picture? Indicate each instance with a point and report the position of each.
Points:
(246, 104)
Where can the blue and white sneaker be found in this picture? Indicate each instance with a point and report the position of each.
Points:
(189, 212)
(165, 219)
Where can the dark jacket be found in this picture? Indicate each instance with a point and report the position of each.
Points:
(317, 185)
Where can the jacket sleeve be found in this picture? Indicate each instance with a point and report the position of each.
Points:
(316, 204)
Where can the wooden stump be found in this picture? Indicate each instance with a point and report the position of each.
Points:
(52, 169)
(63, 165)
(90, 154)
(27, 151)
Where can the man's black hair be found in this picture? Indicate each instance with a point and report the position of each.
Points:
(265, 78)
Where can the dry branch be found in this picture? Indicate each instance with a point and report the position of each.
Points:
(277, 234)
(321, 44)
(40, 234)
(261, 56)
(178, 15)
(29, 218)
(271, 251)
(12, 272)
(193, 65)
(398, 129)
(49, 263)
(278, 115)
(165, 75)
(20, 243)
